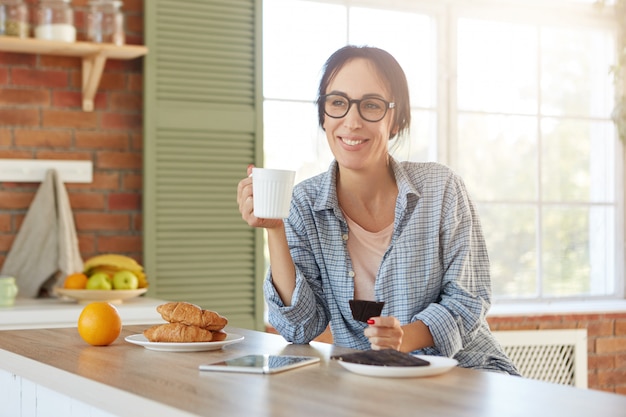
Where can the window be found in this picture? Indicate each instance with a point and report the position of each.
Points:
(515, 97)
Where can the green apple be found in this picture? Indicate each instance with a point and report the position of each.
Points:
(99, 281)
(125, 280)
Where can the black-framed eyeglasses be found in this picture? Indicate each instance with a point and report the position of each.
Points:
(371, 109)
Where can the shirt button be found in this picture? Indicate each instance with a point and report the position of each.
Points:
(344, 236)
(351, 274)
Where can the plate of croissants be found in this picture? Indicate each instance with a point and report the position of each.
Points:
(188, 328)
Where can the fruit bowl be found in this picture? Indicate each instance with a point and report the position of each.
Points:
(112, 296)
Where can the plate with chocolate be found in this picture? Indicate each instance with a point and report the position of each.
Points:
(395, 364)
(141, 340)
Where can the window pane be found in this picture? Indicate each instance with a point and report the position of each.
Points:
(421, 145)
(529, 125)
(497, 67)
(511, 242)
(577, 251)
(578, 160)
(410, 38)
(498, 156)
(298, 38)
(575, 79)
(293, 140)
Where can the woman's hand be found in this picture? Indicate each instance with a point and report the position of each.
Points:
(384, 333)
(245, 200)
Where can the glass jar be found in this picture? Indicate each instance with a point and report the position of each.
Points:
(105, 22)
(8, 291)
(13, 18)
(55, 21)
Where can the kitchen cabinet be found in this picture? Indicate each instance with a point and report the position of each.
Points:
(40, 313)
(93, 55)
(202, 125)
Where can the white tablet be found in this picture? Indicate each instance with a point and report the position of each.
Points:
(260, 364)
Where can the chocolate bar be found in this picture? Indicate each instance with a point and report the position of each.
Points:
(385, 357)
(363, 310)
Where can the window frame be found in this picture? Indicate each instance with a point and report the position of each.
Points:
(446, 14)
(552, 14)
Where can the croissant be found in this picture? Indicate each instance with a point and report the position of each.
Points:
(178, 333)
(219, 335)
(192, 315)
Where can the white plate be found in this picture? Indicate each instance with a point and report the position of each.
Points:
(112, 296)
(140, 339)
(438, 365)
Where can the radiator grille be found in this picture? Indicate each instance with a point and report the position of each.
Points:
(558, 356)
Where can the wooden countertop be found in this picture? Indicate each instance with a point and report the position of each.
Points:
(128, 380)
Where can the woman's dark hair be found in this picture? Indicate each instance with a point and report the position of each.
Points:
(389, 70)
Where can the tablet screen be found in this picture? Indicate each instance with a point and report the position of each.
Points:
(261, 364)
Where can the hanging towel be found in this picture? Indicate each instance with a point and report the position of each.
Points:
(45, 249)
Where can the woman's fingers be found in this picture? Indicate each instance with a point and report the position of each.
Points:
(245, 200)
(244, 192)
(384, 333)
(244, 188)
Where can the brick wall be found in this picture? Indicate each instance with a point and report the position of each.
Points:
(41, 118)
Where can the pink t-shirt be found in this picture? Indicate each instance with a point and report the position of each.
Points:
(366, 251)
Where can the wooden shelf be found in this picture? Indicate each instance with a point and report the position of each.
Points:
(94, 56)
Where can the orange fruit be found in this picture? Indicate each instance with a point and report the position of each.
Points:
(76, 281)
(99, 324)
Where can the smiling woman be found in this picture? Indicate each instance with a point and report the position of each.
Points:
(525, 120)
(404, 234)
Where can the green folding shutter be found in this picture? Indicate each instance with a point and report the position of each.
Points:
(202, 127)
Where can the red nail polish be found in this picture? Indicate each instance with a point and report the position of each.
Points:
(370, 321)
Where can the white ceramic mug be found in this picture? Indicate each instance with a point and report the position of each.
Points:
(272, 192)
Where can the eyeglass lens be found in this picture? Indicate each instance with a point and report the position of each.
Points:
(371, 109)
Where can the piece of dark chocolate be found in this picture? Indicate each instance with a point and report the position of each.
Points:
(363, 310)
(385, 357)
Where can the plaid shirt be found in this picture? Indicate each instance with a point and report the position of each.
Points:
(436, 268)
